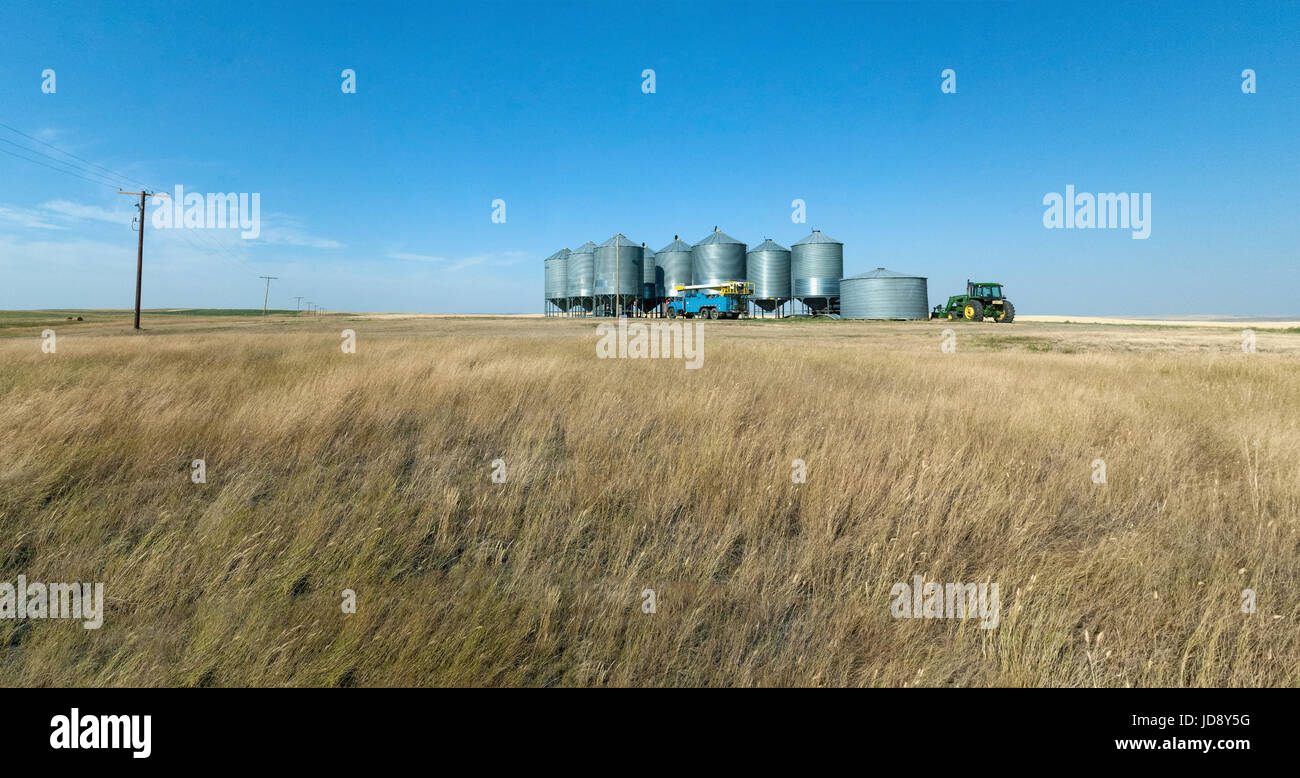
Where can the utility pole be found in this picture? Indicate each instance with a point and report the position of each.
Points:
(269, 279)
(299, 299)
(139, 251)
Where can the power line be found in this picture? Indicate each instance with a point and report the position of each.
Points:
(56, 160)
(213, 245)
(59, 170)
(74, 156)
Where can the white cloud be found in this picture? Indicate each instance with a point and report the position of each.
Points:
(79, 211)
(283, 236)
(495, 259)
(409, 257)
(27, 217)
(283, 230)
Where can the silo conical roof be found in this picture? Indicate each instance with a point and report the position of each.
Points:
(817, 237)
(769, 245)
(881, 272)
(677, 245)
(561, 254)
(619, 240)
(718, 236)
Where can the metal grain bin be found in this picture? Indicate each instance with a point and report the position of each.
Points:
(884, 294)
(717, 258)
(767, 267)
(816, 267)
(557, 279)
(649, 286)
(674, 265)
(582, 264)
(621, 255)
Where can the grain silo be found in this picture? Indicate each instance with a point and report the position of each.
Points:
(650, 291)
(816, 266)
(582, 263)
(617, 272)
(557, 281)
(718, 258)
(884, 294)
(767, 267)
(674, 266)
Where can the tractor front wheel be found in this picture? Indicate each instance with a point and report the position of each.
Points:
(973, 311)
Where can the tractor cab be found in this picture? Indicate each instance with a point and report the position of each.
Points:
(987, 292)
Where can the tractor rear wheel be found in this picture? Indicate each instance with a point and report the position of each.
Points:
(1008, 314)
(973, 311)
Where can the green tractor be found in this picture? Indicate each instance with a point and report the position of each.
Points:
(982, 299)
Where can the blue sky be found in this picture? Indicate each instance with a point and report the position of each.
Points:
(382, 200)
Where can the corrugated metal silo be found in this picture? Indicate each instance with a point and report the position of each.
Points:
(767, 267)
(674, 266)
(649, 284)
(717, 258)
(621, 255)
(582, 265)
(884, 294)
(557, 279)
(816, 266)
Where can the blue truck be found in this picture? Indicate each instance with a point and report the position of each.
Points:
(724, 300)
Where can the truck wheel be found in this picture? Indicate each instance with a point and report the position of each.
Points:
(713, 313)
(672, 313)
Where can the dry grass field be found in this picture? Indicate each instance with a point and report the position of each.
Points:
(372, 472)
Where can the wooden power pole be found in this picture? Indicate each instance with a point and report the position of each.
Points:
(139, 251)
(269, 279)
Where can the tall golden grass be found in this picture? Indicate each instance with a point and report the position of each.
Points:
(372, 472)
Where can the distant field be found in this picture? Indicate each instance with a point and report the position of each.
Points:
(372, 472)
(22, 320)
(1272, 323)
